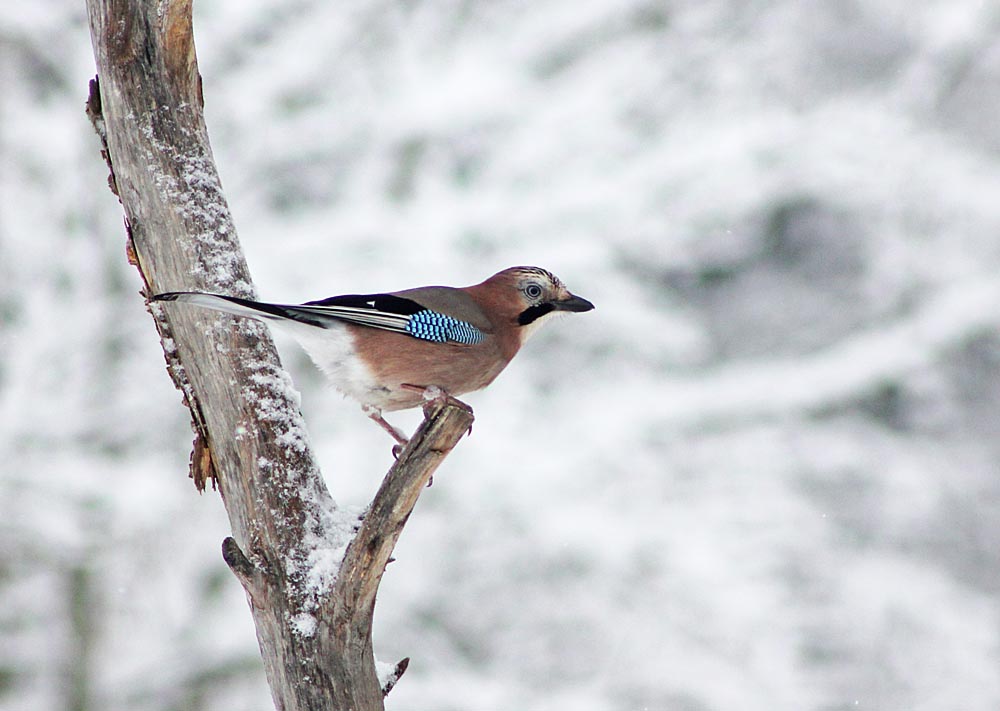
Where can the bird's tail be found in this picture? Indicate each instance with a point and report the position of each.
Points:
(243, 307)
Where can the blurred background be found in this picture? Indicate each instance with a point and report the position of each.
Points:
(761, 475)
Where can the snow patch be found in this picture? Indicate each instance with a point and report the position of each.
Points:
(304, 624)
(386, 673)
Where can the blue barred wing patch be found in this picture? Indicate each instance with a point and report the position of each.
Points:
(433, 326)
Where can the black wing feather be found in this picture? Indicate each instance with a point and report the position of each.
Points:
(384, 303)
(384, 311)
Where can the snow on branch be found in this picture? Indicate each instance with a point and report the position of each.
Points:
(310, 569)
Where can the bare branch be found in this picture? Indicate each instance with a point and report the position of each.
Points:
(246, 572)
(313, 619)
(444, 424)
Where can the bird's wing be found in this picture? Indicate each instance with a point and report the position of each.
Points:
(451, 302)
(376, 310)
(437, 313)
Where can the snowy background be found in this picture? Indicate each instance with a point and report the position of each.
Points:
(761, 475)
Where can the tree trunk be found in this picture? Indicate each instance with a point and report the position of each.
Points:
(311, 605)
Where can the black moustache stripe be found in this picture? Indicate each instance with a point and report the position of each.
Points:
(533, 313)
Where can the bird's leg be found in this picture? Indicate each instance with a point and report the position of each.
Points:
(376, 414)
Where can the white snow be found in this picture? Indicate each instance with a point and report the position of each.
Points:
(386, 672)
(761, 474)
(304, 624)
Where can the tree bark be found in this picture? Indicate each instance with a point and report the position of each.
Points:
(310, 581)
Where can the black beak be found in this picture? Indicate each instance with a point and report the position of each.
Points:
(573, 303)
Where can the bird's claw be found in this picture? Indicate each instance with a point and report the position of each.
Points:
(435, 396)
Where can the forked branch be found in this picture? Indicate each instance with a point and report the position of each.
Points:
(315, 640)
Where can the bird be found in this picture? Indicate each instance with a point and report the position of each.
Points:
(396, 350)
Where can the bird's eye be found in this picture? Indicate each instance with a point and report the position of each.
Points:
(532, 291)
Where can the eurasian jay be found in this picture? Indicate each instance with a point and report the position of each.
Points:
(392, 351)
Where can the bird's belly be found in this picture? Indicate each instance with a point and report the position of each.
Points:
(371, 365)
(333, 351)
(397, 359)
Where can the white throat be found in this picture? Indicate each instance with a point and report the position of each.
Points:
(529, 330)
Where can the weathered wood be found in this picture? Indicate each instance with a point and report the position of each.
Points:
(369, 552)
(313, 624)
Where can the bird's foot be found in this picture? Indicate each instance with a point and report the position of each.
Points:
(435, 395)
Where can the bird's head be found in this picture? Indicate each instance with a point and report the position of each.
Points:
(531, 296)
